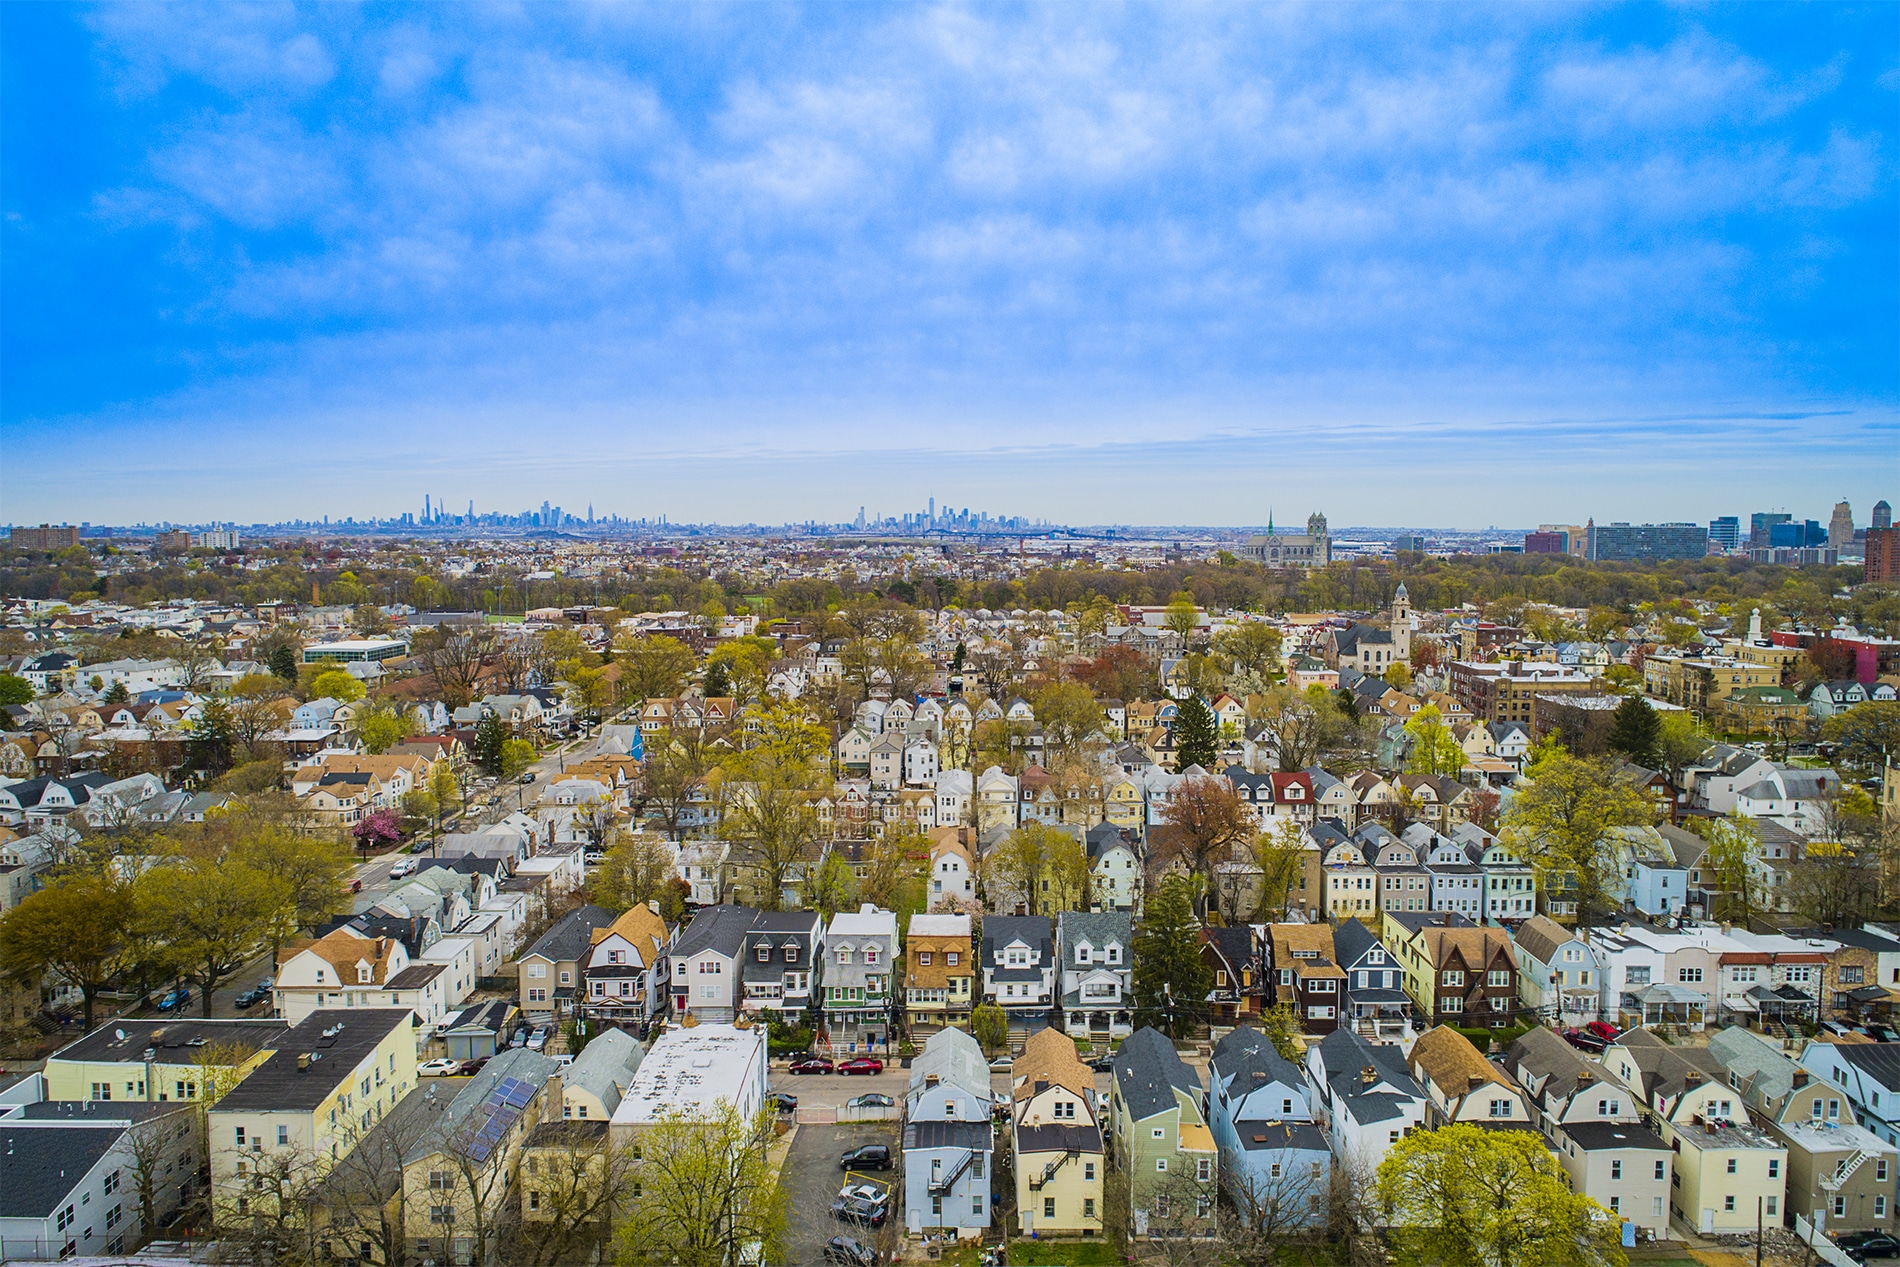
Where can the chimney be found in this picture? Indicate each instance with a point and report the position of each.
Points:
(1042, 1084)
(1693, 1078)
(1475, 1082)
(303, 1062)
(1800, 1079)
(1368, 1076)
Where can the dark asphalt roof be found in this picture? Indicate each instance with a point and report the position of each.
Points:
(1597, 1136)
(415, 976)
(278, 1085)
(571, 934)
(1275, 1136)
(1030, 930)
(1148, 1070)
(1058, 1139)
(41, 1165)
(173, 1038)
(974, 1136)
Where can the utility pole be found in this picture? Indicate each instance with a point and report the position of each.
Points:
(1758, 1231)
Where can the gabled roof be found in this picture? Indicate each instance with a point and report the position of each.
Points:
(1097, 928)
(1244, 1057)
(1540, 936)
(718, 928)
(1452, 1063)
(1001, 930)
(954, 1058)
(606, 1066)
(1148, 1071)
(1049, 1057)
(571, 934)
(1760, 1070)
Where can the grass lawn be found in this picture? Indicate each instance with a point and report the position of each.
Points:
(1028, 1253)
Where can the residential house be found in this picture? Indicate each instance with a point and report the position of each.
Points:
(1559, 977)
(1115, 866)
(460, 1174)
(939, 974)
(861, 952)
(593, 1085)
(1305, 974)
(1727, 1173)
(332, 1077)
(1056, 1135)
(1841, 1175)
(1096, 951)
(1455, 972)
(782, 965)
(948, 1140)
(1274, 1161)
(1462, 1086)
(1654, 882)
(624, 972)
(1869, 1075)
(1352, 885)
(707, 958)
(1374, 1002)
(952, 869)
(1509, 883)
(1237, 963)
(1594, 1125)
(1404, 885)
(344, 970)
(1019, 969)
(1158, 1120)
(549, 974)
(73, 1177)
(165, 1062)
(1367, 1097)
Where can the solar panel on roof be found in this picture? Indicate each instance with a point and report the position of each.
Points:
(520, 1095)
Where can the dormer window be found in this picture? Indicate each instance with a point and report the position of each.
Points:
(363, 974)
(1114, 954)
(791, 954)
(844, 954)
(765, 954)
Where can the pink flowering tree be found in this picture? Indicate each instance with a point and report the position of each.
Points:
(374, 831)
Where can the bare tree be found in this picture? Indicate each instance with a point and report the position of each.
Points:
(573, 1180)
(454, 658)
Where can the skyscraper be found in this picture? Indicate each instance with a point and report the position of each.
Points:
(1840, 527)
(1725, 532)
(1883, 514)
(1760, 525)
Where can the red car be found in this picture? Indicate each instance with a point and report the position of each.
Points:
(1604, 1030)
(863, 1064)
(813, 1065)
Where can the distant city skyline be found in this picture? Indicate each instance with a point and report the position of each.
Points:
(765, 264)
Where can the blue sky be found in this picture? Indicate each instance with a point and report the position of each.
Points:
(1422, 264)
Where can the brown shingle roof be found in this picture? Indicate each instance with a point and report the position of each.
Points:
(1049, 1056)
(1450, 1060)
(937, 974)
(343, 951)
(1541, 935)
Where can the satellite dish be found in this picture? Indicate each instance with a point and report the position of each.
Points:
(119, 1034)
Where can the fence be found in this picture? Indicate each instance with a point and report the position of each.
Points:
(1827, 1251)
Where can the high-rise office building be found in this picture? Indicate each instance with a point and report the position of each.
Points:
(1542, 542)
(1759, 525)
(1883, 554)
(1840, 527)
(1725, 532)
(1624, 542)
(1883, 514)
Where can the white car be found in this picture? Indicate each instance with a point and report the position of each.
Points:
(441, 1067)
(403, 867)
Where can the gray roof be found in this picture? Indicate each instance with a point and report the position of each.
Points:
(956, 1059)
(571, 935)
(1557, 1068)
(605, 1066)
(1097, 928)
(1344, 1055)
(178, 1037)
(1246, 1051)
(1761, 1071)
(1301, 1137)
(1148, 1070)
(975, 1136)
(1001, 930)
(42, 1164)
(720, 928)
(469, 1111)
(1604, 1136)
(336, 1039)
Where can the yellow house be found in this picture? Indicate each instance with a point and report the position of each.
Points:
(331, 1079)
(1698, 682)
(1122, 802)
(183, 1059)
(1058, 1139)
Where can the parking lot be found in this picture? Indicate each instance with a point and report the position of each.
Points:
(811, 1179)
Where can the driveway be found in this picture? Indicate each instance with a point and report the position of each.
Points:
(811, 1179)
(831, 1090)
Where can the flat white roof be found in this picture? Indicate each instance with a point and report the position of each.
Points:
(356, 644)
(690, 1070)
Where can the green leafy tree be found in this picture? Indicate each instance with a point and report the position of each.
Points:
(1181, 617)
(491, 732)
(1635, 731)
(1171, 980)
(212, 744)
(1043, 866)
(80, 931)
(1557, 821)
(1435, 750)
(834, 888)
(208, 916)
(1281, 1024)
(445, 788)
(1729, 862)
(337, 685)
(1196, 735)
(116, 693)
(15, 689)
(636, 869)
(989, 1025)
(283, 663)
(1069, 716)
(1250, 646)
(1460, 1196)
(1867, 734)
(653, 668)
(516, 756)
(384, 727)
(717, 681)
(708, 1197)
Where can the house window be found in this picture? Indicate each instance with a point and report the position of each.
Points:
(1606, 1107)
(1774, 1168)
(1731, 1165)
(1160, 1133)
(1689, 976)
(1498, 978)
(1088, 1171)
(1773, 1205)
(1616, 1205)
(1161, 1165)
(1454, 978)
(1088, 1207)
(1659, 1168)
(791, 954)
(1500, 1108)
(951, 957)
(1048, 1207)
(1616, 1170)
(1204, 1168)
(923, 956)
(1880, 1169)
(1728, 1204)
(1880, 1207)
(283, 1135)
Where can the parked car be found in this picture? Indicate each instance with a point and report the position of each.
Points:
(539, 1039)
(440, 1067)
(1836, 1028)
(866, 1157)
(814, 1065)
(863, 1192)
(421, 846)
(1883, 1034)
(862, 1213)
(1861, 1246)
(527, 777)
(1584, 1040)
(872, 1100)
(253, 996)
(847, 1252)
(863, 1064)
(469, 1068)
(783, 1102)
(520, 1038)
(403, 867)
(1102, 1064)
(1604, 1030)
(174, 998)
